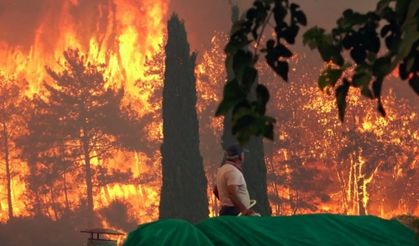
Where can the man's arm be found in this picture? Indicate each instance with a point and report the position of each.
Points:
(232, 193)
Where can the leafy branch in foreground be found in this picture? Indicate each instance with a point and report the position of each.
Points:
(243, 95)
(359, 34)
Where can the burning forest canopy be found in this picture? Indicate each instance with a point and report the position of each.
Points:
(366, 166)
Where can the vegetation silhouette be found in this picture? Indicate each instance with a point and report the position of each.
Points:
(358, 34)
(183, 193)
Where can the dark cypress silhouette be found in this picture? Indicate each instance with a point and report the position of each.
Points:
(254, 167)
(183, 193)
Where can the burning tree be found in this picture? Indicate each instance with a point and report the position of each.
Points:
(183, 193)
(11, 120)
(79, 120)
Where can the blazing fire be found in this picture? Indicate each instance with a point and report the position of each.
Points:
(120, 34)
(316, 164)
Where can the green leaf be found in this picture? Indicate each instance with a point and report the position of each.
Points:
(279, 12)
(262, 98)
(414, 83)
(241, 61)
(380, 108)
(381, 5)
(232, 95)
(262, 93)
(237, 42)
(366, 92)
(331, 52)
(268, 131)
(313, 36)
(382, 66)
(351, 19)
(329, 77)
(282, 50)
(410, 29)
(282, 69)
(358, 55)
(249, 77)
(243, 107)
(341, 93)
(297, 15)
(244, 127)
(376, 87)
(361, 78)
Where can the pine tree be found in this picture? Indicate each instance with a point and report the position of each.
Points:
(183, 193)
(11, 108)
(79, 120)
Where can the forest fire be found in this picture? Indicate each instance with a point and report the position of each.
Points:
(366, 166)
(115, 37)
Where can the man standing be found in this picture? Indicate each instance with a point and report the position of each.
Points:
(231, 187)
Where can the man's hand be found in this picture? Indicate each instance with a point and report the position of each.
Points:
(247, 212)
(232, 193)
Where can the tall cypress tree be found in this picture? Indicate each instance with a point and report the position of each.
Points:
(183, 193)
(254, 167)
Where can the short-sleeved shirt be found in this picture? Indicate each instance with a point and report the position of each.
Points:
(228, 174)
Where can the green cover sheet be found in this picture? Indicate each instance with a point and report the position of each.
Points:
(167, 232)
(315, 229)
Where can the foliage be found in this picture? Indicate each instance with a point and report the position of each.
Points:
(117, 215)
(12, 111)
(357, 33)
(243, 94)
(394, 22)
(80, 120)
(183, 191)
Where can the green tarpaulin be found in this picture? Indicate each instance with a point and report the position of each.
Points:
(316, 229)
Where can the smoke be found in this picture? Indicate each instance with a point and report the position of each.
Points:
(19, 19)
(23, 23)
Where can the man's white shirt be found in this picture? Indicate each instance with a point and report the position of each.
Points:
(228, 174)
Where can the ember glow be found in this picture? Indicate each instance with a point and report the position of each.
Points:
(367, 165)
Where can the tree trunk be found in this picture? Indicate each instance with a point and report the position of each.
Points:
(276, 191)
(88, 177)
(67, 203)
(8, 173)
(361, 207)
(254, 170)
(53, 203)
(37, 204)
(359, 181)
(343, 188)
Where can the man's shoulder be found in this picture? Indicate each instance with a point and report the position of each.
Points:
(229, 168)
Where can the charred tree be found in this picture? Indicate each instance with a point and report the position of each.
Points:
(183, 193)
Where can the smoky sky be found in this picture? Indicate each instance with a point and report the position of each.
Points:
(204, 17)
(20, 19)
